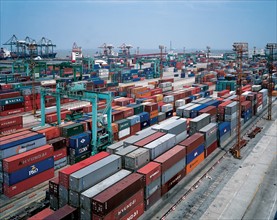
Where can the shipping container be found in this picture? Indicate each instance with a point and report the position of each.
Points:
(109, 199)
(54, 186)
(150, 201)
(79, 140)
(113, 147)
(210, 149)
(124, 151)
(149, 139)
(137, 159)
(171, 157)
(150, 172)
(172, 182)
(22, 186)
(65, 173)
(71, 130)
(86, 196)
(66, 212)
(193, 142)
(160, 145)
(42, 214)
(11, 121)
(194, 163)
(19, 161)
(139, 136)
(94, 173)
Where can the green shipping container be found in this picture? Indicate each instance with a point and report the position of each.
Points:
(72, 130)
(138, 109)
(123, 124)
(73, 160)
(14, 100)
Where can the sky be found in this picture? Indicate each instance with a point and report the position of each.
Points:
(145, 23)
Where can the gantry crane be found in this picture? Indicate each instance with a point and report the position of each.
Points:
(161, 47)
(270, 47)
(239, 48)
(98, 143)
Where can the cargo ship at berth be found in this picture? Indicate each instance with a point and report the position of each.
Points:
(122, 137)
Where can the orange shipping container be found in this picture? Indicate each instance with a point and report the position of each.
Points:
(50, 133)
(194, 163)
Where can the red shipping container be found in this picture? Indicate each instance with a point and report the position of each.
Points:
(221, 107)
(222, 93)
(15, 135)
(212, 110)
(135, 128)
(135, 213)
(171, 157)
(28, 158)
(28, 108)
(12, 112)
(50, 133)
(65, 173)
(210, 149)
(11, 138)
(124, 208)
(107, 200)
(149, 139)
(193, 142)
(11, 106)
(156, 91)
(194, 163)
(150, 172)
(11, 129)
(59, 154)
(127, 112)
(10, 121)
(24, 185)
(172, 182)
(152, 199)
(66, 212)
(118, 115)
(42, 214)
(9, 95)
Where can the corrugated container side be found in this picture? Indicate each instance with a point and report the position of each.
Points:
(150, 172)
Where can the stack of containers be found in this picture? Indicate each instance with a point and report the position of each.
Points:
(166, 86)
(134, 124)
(187, 111)
(264, 92)
(258, 104)
(161, 145)
(11, 105)
(26, 170)
(79, 145)
(29, 104)
(64, 176)
(123, 200)
(173, 163)
(194, 146)
(176, 127)
(212, 110)
(123, 128)
(152, 179)
(86, 196)
(199, 122)
(10, 124)
(224, 132)
(90, 175)
(60, 151)
(124, 151)
(210, 135)
(168, 110)
(246, 110)
(144, 120)
(180, 110)
(231, 115)
(54, 193)
(137, 137)
(221, 110)
(152, 109)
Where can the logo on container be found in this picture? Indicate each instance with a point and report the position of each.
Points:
(195, 154)
(82, 140)
(33, 170)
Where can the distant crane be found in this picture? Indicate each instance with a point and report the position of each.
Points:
(161, 47)
(208, 56)
(270, 47)
(239, 48)
(125, 49)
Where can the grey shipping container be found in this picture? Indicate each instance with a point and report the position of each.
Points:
(167, 175)
(176, 127)
(135, 138)
(161, 145)
(182, 136)
(187, 111)
(60, 163)
(113, 147)
(161, 116)
(146, 131)
(63, 196)
(94, 173)
(180, 110)
(164, 123)
(231, 108)
(199, 122)
(85, 198)
(209, 130)
(224, 138)
(8, 152)
(137, 159)
(124, 151)
(230, 117)
(152, 187)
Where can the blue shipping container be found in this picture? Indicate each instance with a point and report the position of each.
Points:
(79, 140)
(213, 103)
(144, 116)
(153, 120)
(21, 141)
(79, 151)
(29, 171)
(135, 119)
(195, 153)
(224, 127)
(145, 124)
